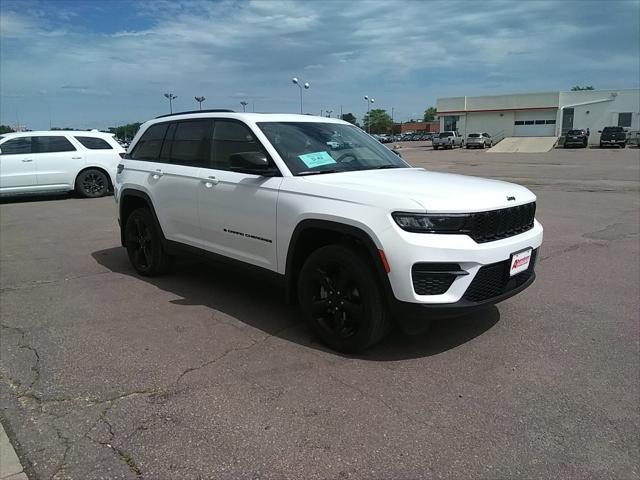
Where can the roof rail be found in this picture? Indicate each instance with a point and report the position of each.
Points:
(215, 110)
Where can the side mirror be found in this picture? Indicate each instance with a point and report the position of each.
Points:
(255, 163)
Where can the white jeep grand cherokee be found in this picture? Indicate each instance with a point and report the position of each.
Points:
(360, 238)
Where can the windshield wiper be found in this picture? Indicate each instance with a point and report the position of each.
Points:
(317, 172)
(382, 167)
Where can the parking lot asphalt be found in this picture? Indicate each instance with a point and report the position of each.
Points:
(206, 373)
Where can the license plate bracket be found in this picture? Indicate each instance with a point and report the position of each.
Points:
(520, 261)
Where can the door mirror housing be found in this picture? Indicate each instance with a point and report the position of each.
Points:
(256, 163)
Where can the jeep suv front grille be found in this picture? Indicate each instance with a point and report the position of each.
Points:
(498, 224)
(493, 280)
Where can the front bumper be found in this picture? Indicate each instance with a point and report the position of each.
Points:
(404, 249)
(613, 142)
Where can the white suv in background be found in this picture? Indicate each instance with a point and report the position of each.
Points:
(359, 238)
(58, 161)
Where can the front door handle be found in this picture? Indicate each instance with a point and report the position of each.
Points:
(27, 160)
(210, 181)
(76, 158)
(157, 174)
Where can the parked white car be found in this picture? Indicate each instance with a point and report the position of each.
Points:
(359, 238)
(58, 161)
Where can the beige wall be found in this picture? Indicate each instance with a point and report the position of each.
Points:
(499, 102)
(490, 122)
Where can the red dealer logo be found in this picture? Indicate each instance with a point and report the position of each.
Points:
(520, 262)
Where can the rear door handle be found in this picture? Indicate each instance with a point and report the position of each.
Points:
(76, 158)
(27, 160)
(210, 181)
(157, 174)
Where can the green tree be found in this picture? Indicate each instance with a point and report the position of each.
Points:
(350, 117)
(578, 88)
(5, 129)
(125, 132)
(430, 114)
(379, 121)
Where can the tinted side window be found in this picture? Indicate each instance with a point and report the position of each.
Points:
(94, 143)
(229, 138)
(52, 145)
(165, 153)
(16, 146)
(148, 147)
(192, 143)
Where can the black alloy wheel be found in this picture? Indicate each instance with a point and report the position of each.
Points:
(341, 299)
(143, 243)
(92, 183)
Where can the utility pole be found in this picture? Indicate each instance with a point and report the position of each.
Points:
(200, 100)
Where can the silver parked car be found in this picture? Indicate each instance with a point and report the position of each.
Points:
(479, 140)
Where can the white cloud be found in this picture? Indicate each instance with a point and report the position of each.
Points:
(401, 54)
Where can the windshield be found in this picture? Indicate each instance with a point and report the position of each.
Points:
(474, 135)
(574, 132)
(309, 148)
(611, 129)
(446, 134)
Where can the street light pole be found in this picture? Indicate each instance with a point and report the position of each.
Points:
(244, 104)
(200, 100)
(329, 112)
(369, 102)
(306, 87)
(171, 98)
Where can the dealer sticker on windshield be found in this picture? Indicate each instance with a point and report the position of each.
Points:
(520, 262)
(316, 159)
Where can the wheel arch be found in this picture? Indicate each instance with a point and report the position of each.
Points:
(131, 199)
(95, 167)
(311, 234)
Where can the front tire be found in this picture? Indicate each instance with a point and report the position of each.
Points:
(341, 299)
(144, 244)
(92, 183)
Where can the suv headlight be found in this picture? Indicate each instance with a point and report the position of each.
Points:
(431, 223)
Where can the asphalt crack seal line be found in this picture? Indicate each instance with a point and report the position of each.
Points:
(24, 345)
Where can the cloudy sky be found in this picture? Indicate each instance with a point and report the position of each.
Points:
(97, 63)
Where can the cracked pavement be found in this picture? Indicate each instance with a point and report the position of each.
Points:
(206, 373)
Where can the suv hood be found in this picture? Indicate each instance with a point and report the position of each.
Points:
(436, 192)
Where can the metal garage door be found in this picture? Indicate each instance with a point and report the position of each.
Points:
(535, 123)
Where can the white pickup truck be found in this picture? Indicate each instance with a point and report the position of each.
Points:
(447, 140)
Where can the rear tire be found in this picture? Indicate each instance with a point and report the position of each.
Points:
(144, 244)
(92, 183)
(341, 299)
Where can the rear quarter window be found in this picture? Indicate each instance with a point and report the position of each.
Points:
(149, 145)
(94, 143)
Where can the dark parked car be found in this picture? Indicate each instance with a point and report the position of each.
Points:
(613, 136)
(576, 138)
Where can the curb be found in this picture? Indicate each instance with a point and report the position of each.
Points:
(10, 467)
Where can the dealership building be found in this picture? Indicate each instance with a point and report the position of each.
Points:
(549, 114)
